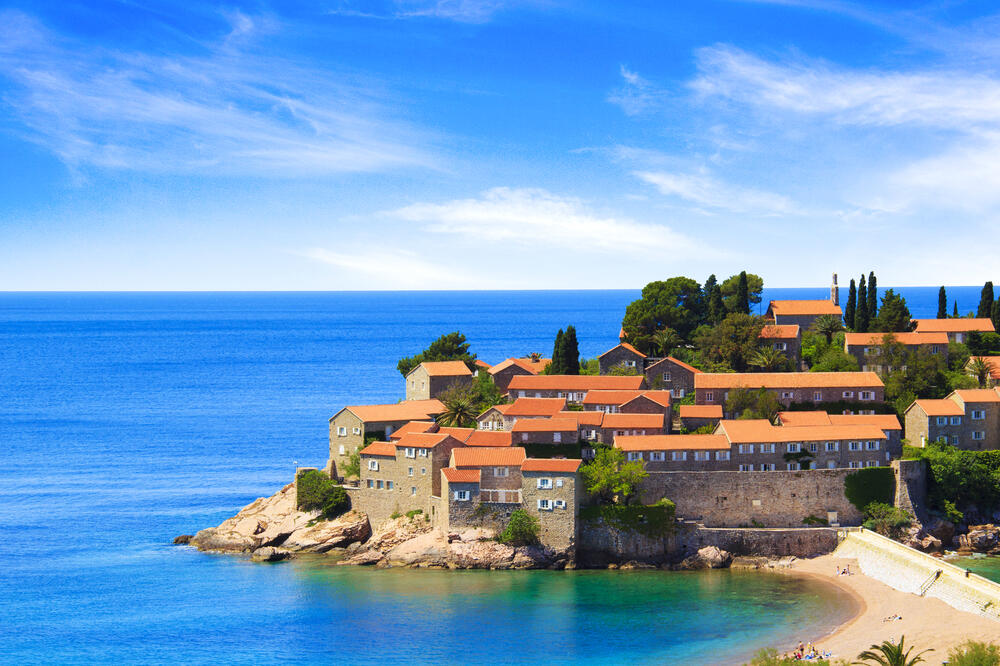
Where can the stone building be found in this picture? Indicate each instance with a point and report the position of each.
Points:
(499, 468)
(801, 313)
(967, 418)
(789, 387)
(888, 423)
(571, 387)
(648, 402)
(693, 417)
(785, 338)
(504, 371)
(432, 378)
(867, 347)
(353, 425)
(625, 356)
(622, 424)
(672, 375)
(494, 418)
(661, 453)
(992, 362)
(957, 329)
(552, 491)
(559, 430)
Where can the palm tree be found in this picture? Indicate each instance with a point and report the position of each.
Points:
(459, 412)
(828, 325)
(768, 359)
(980, 368)
(666, 340)
(890, 654)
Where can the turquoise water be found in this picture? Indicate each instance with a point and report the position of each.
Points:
(987, 567)
(127, 419)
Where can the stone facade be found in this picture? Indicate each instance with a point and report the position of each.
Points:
(350, 427)
(785, 339)
(571, 387)
(429, 380)
(554, 498)
(867, 347)
(669, 374)
(623, 355)
(968, 419)
(789, 387)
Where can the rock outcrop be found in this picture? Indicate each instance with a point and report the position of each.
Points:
(980, 539)
(708, 557)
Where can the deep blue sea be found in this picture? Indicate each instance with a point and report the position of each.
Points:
(127, 419)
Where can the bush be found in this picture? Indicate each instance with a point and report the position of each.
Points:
(959, 479)
(887, 520)
(522, 530)
(973, 653)
(872, 484)
(654, 520)
(813, 520)
(315, 491)
(769, 657)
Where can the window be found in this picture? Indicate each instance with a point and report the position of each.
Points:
(666, 376)
(867, 395)
(794, 448)
(423, 470)
(954, 440)
(701, 455)
(413, 490)
(832, 446)
(545, 484)
(956, 420)
(373, 465)
(559, 483)
(356, 430)
(847, 394)
(342, 431)
(524, 437)
(746, 448)
(557, 438)
(854, 446)
(501, 471)
(632, 455)
(872, 446)
(787, 395)
(709, 396)
(813, 447)
(935, 349)
(560, 504)
(722, 455)
(461, 495)
(388, 485)
(343, 451)
(409, 471)
(544, 505)
(746, 468)
(422, 453)
(410, 452)
(371, 484)
(781, 346)
(854, 464)
(817, 396)
(657, 456)
(767, 448)
(979, 435)
(871, 463)
(830, 464)
(767, 467)
(521, 394)
(378, 484)
(942, 420)
(678, 456)
(792, 467)
(978, 414)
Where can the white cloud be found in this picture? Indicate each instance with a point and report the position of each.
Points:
(705, 191)
(382, 267)
(460, 11)
(636, 95)
(229, 111)
(529, 217)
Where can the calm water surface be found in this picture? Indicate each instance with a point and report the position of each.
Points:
(126, 419)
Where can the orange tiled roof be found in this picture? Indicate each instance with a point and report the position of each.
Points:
(408, 410)
(422, 440)
(545, 425)
(536, 407)
(483, 456)
(977, 395)
(789, 380)
(993, 362)
(749, 431)
(679, 363)
(701, 411)
(461, 475)
(912, 338)
(779, 331)
(479, 363)
(575, 382)
(600, 397)
(812, 418)
(446, 369)
(567, 465)
(958, 325)
(500, 408)
(793, 308)
(379, 449)
(534, 367)
(661, 398)
(413, 426)
(942, 407)
(671, 442)
(883, 421)
(620, 420)
(489, 438)
(461, 434)
(591, 418)
(624, 345)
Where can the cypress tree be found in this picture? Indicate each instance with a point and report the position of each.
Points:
(942, 304)
(711, 287)
(743, 294)
(571, 352)
(995, 314)
(558, 356)
(861, 313)
(985, 301)
(954, 308)
(852, 302)
(872, 297)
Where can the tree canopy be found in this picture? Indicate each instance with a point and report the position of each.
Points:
(732, 343)
(733, 298)
(894, 315)
(448, 347)
(610, 478)
(676, 303)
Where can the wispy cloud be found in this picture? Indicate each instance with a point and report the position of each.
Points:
(389, 268)
(707, 192)
(228, 111)
(461, 11)
(528, 217)
(636, 95)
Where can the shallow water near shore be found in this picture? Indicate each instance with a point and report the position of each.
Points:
(127, 419)
(986, 566)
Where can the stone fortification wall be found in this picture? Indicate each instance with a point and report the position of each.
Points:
(909, 570)
(911, 486)
(759, 499)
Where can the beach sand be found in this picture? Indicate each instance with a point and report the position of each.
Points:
(926, 623)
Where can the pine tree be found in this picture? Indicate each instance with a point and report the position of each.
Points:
(743, 294)
(985, 301)
(852, 302)
(558, 356)
(861, 313)
(995, 314)
(872, 297)
(710, 290)
(942, 304)
(954, 308)
(571, 352)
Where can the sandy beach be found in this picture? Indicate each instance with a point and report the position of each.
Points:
(926, 623)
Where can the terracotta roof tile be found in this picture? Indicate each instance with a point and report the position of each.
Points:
(413, 426)
(461, 475)
(379, 449)
(534, 367)
(566, 465)
(574, 382)
(671, 442)
(599, 397)
(545, 425)
(793, 308)
(977, 395)
(661, 398)
(812, 418)
(461, 434)
(493, 438)
(913, 338)
(483, 456)
(621, 420)
(942, 407)
(624, 345)
(958, 325)
(883, 421)
(992, 361)
(479, 363)
(423, 440)
(748, 431)
(701, 411)
(791, 380)
(408, 410)
(589, 418)
(670, 360)
(779, 331)
(536, 407)
(446, 369)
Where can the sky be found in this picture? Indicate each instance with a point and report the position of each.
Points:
(495, 144)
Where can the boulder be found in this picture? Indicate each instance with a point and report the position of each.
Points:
(183, 539)
(941, 529)
(709, 557)
(230, 542)
(633, 565)
(477, 554)
(426, 550)
(269, 554)
(748, 563)
(929, 543)
(395, 531)
(328, 534)
(365, 558)
(532, 557)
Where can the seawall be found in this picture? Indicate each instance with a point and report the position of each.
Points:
(908, 570)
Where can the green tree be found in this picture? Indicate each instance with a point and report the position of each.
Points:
(753, 404)
(942, 312)
(460, 409)
(860, 324)
(448, 347)
(522, 529)
(352, 468)
(995, 315)
(742, 295)
(954, 308)
(768, 359)
(557, 366)
(887, 520)
(894, 316)
(828, 326)
(730, 291)
(974, 653)
(732, 342)
(891, 654)
(610, 478)
(675, 303)
(571, 352)
(622, 370)
(666, 341)
(715, 309)
(872, 297)
(980, 368)
(852, 303)
(985, 301)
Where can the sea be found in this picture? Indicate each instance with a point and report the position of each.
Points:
(127, 419)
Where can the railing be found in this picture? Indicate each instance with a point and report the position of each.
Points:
(926, 585)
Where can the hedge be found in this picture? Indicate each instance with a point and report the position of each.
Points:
(653, 520)
(872, 484)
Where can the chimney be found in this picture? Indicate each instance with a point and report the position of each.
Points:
(835, 291)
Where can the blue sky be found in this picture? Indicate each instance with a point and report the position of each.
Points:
(481, 144)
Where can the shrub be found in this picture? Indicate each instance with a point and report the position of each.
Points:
(887, 520)
(872, 484)
(813, 520)
(522, 530)
(315, 491)
(769, 657)
(973, 653)
(654, 520)
(414, 512)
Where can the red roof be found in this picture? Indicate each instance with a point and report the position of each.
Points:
(624, 345)
(461, 434)
(482, 456)
(535, 407)
(977, 395)
(701, 411)
(671, 442)
(591, 418)
(422, 440)
(482, 364)
(575, 382)
(661, 398)
(534, 367)
(674, 361)
(914, 338)
(942, 407)
(761, 430)
(600, 397)
(793, 308)
(413, 426)
(379, 449)
(489, 438)
(461, 475)
(620, 420)
(545, 425)
(408, 410)
(788, 380)
(811, 418)
(446, 368)
(568, 465)
(780, 331)
(883, 421)
(956, 325)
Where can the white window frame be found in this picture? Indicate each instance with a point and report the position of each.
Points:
(767, 448)
(854, 464)
(854, 446)
(501, 471)
(872, 445)
(793, 447)
(817, 396)
(342, 431)
(956, 420)
(634, 455)
(410, 452)
(978, 435)
(978, 414)
(544, 505)
(544, 484)
(557, 438)
(787, 395)
(666, 377)
(722, 455)
(867, 395)
(413, 490)
(679, 456)
(373, 465)
(942, 420)
(746, 449)
(461, 495)
(422, 453)
(657, 456)
(560, 504)
(709, 396)
(746, 468)
(831, 447)
(793, 466)
(409, 471)
(702, 455)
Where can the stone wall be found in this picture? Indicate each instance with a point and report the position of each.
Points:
(558, 527)
(759, 499)
(911, 486)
